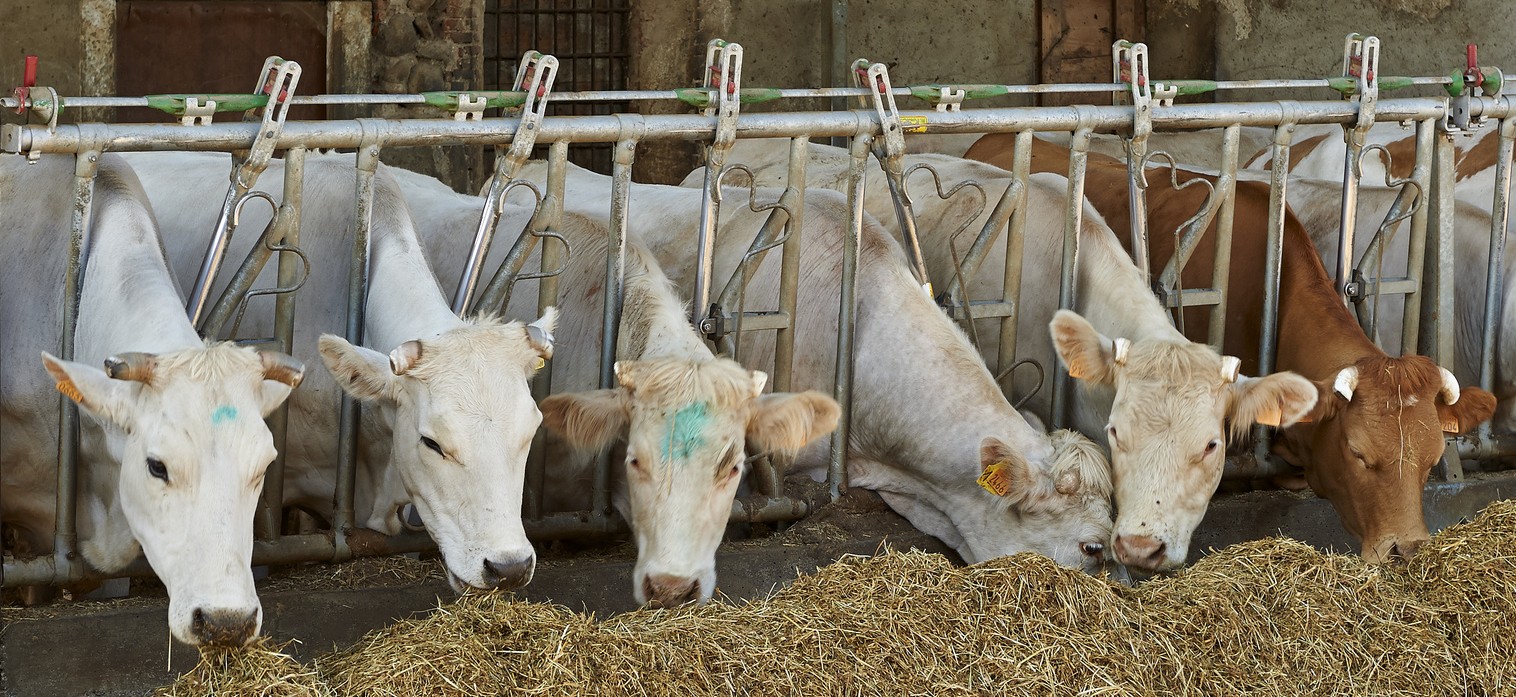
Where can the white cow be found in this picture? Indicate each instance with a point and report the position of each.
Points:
(927, 417)
(445, 421)
(681, 413)
(173, 447)
(1165, 404)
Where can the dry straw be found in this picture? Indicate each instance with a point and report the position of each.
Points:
(1272, 617)
(262, 669)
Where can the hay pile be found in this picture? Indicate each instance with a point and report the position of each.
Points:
(1268, 617)
(262, 669)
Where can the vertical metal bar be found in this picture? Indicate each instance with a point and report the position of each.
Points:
(1073, 220)
(615, 296)
(1273, 255)
(847, 314)
(266, 524)
(1410, 324)
(1137, 206)
(1442, 346)
(65, 530)
(357, 299)
(789, 269)
(1349, 215)
(1015, 243)
(841, 69)
(1494, 294)
(710, 214)
(547, 296)
(1221, 271)
(211, 262)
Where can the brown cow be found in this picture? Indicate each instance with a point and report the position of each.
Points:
(1377, 428)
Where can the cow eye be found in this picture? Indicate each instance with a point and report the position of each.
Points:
(1092, 549)
(432, 446)
(155, 467)
(1212, 446)
(634, 463)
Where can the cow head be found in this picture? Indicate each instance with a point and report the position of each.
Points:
(1062, 508)
(1168, 429)
(462, 421)
(1374, 436)
(187, 430)
(685, 423)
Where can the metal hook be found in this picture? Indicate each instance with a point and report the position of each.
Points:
(1041, 378)
(568, 253)
(305, 274)
(242, 201)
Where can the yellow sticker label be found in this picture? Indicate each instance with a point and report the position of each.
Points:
(996, 478)
(66, 386)
(540, 363)
(913, 124)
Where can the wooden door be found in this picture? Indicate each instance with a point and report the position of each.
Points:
(214, 46)
(1074, 41)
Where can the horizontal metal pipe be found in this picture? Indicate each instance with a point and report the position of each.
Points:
(602, 129)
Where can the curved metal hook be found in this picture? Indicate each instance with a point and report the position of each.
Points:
(537, 197)
(984, 198)
(305, 274)
(242, 201)
(1041, 379)
(1142, 183)
(568, 253)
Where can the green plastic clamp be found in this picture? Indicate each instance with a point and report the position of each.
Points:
(1348, 85)
(700, 97)
(1189, 87)
(499, 99)
(174, 103)
(933, 93)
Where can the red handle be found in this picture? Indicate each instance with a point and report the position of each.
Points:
(1473, 55)
(29, 78)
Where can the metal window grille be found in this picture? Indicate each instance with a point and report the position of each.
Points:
(589, 38)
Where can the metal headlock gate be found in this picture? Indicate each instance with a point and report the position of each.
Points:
(879, 127)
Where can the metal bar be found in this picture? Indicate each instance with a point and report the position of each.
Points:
(1268, 337)
(615, 296)
(547, 296)
(1015, 243)
(705, 234)
(65, 530)
(266, 524)
(246, 274)
(988, 233)
(847, 314)
(1421, 174)
(1494, 295)
(357, 301)
(1195, 297)
(841, 68)
(1073, 220)
(429, 132)
(214, 253)
(1350, 176)
(789, 269)
(1221, 270)
(1137, 207)
(1443, 344)
(984, 309)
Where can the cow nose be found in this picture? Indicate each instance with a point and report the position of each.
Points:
(223, 627)
(1141, 551)
(509, 574)
(665, 590)
(1402, 551)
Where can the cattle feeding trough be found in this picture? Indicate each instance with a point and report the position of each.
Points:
(723, 316)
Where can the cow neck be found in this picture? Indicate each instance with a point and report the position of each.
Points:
(653, 321)
(404, 300)
(127, 270)
(896, 335)
(1308, 300)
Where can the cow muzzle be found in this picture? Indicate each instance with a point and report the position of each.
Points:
(510, 573)
(665, 590)
(222, 626)
(1143, 552)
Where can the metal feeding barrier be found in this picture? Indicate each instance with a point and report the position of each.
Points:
(878, 130)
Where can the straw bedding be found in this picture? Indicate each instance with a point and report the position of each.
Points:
(1267, 617)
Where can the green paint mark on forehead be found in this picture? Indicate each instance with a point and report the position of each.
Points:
(223, 414)
(685, 431)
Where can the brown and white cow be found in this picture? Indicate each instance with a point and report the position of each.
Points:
(1378, 427)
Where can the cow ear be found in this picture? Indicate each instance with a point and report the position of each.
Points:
(1003, 470)
(539, 334)
(1088, 354)
(785, 422)
(587, 420)
(363, 373)
(1281, 399)
(109, 401)
(1474, 407)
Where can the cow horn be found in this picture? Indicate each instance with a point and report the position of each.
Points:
(1123, 347)
(1230, 367)
(406, 357)
(1346, 382)
(1449, 387)
(282, 368)
(132, 365)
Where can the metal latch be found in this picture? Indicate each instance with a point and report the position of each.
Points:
(1360, 60)
(890, 151)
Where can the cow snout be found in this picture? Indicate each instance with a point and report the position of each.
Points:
(223, 627)
(509, 574)
(1402, 551)
(664, 590)
(1141, 551)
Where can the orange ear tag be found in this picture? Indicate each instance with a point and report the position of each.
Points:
(66, 386)
(1450, 425)
(996, 478)
(1270, 417)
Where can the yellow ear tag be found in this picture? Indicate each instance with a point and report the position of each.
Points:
(1270, 416)
(996, 478)
(1450, 425)
(66, 386)
(540, 363)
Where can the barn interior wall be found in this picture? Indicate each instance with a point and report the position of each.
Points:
(53, 30)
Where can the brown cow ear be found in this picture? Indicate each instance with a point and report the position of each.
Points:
(1474, 407)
